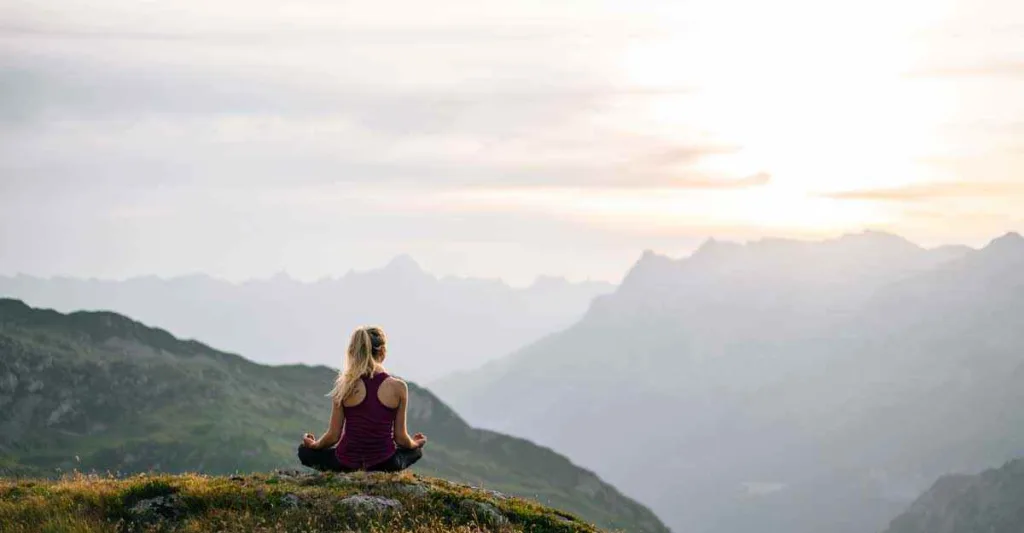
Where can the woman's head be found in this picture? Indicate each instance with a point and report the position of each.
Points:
(366, 352)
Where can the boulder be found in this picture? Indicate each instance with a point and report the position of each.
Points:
(485, 513)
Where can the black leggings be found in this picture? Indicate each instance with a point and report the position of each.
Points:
(326, 460)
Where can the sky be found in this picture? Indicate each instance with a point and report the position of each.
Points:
(495, 139)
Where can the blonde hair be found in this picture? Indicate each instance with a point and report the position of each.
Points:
(364, 357)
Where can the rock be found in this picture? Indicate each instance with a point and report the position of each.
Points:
(415, 490)
(161, 507)
(484, 512)
(290, 500)
(361, 503)
(492, 493)
(292, 473)
(294, 476)
(315, 478)
(564, 519)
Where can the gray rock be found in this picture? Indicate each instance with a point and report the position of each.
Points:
(564, 519)
(493, 493)
(290, 500)
(161, 507)
(485, 513)
(414, 489)
(361, 503)
(294, 476)
(293, 472)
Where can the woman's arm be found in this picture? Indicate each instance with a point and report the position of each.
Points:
(333, 434)
(402, 437)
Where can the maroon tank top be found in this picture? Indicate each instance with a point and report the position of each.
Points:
(368, 436)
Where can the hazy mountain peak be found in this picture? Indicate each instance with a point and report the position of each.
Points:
(1010, 241)
(651, 258)
(281, 276)
(877, 237)
(715, 246)
(288, 320)
(403, 263)
(1005, 251)
(650, 268)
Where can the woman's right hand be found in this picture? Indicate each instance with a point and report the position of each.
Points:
(308, 440)
(420, 440)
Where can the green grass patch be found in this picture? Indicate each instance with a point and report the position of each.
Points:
(283, 502)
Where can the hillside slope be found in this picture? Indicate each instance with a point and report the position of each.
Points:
(100, 392)
(278, 502)
(990, 502)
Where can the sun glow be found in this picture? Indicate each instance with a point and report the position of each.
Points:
(816, 95)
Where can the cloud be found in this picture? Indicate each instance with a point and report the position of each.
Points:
(932, 191)
(258, 104)
(685, 154)
(1006, 69)
(699, 182)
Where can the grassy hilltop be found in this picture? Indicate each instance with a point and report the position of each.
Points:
(278, 502)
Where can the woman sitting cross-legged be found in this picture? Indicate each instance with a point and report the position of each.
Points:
(368, 417)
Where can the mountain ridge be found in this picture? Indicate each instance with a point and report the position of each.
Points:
(992, 501)
(282, 320)
(757, 368)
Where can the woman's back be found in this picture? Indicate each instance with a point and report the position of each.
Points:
(368, 415)
(368, 435)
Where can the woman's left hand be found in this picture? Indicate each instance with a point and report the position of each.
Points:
(308, 440)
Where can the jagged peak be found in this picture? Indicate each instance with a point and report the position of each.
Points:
(713, 246)
(1009, 247)
(1011, 240)
(651, 265)
(650, 257)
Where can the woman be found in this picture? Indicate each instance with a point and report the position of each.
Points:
(368, 415)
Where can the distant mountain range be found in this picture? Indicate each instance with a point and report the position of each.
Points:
(990, 502)
(779, 385)
(98, 391)
(436, 325)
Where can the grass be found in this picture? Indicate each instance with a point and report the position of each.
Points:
(278, 502)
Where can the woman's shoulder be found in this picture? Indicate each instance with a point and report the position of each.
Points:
(396, 383)
(395, 380)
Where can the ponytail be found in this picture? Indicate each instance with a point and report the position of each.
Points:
(365, 351)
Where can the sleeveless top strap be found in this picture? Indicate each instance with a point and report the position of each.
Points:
(374, 383)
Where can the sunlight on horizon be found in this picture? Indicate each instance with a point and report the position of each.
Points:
(803, 104)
